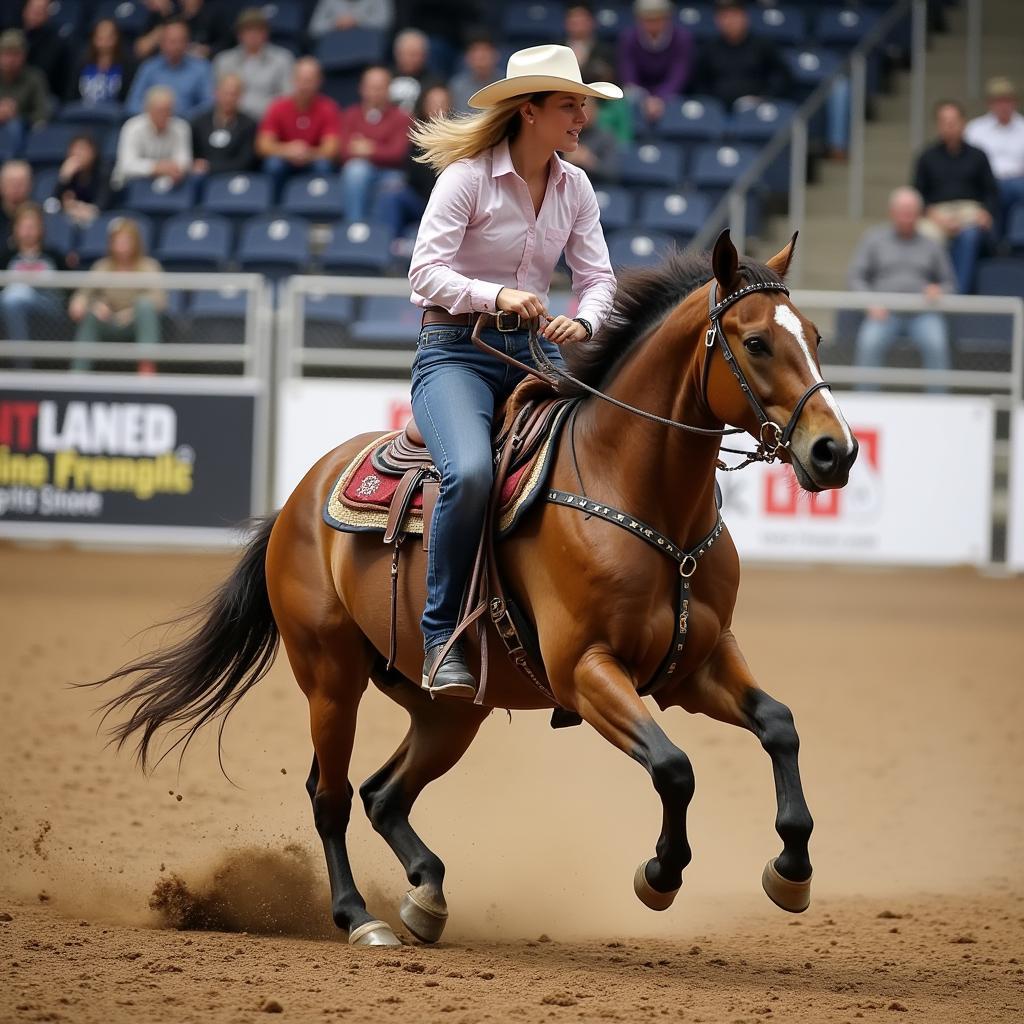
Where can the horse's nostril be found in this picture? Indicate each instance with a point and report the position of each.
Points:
(825, 454)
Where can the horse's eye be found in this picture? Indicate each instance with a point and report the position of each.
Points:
(755, 346)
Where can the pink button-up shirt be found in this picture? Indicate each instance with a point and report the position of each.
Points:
(479, 234)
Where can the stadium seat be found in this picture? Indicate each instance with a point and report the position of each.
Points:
(160, 197)
(980, 334)
(1015, 228)
(311, 195)
(612, 19)
(44, 181)
(693, 117)
(59, 233)
(809, 66)
(86, 115)
(652, 163)
(616, 205)
(275, 246)
(327, 319)
(533, 22)
(131, 16)
(387, 321)
(66, 17)
(218, 317)
(237, 195)
(698, 19)
(843, 26)
(760, 122)
(48, 145)
(720, 166)
(636, 248)
(679, 213)
(92, 243)
(1002, 276)
(195, 241)
(353, 49)
(287, 20)
(785, 25)
(358, 248)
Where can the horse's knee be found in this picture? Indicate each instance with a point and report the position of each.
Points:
(777, 729)
(673, 776)
(332, 812)
(380, 803)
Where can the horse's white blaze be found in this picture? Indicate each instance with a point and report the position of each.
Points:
(788, 320)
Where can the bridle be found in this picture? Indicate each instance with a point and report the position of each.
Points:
(772, 438)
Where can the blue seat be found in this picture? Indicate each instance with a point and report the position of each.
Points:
(195, 241)
(48, 145)
(238, 195)
(59, 232)
(131, 16)
(92, 242)
(693, 117)
(612, 20)
(719, 166)
(680, 213)
(160, 197)
(351, 49)
(652, 163)
(275, 246)
(1002, 276)
(616, 207)
(760, 122)
(783, 24)
(636, 248)
(981, 334)
(1015, 228)
(387, 321)
(66, 16)
(843, 26)
(44, 181)
(698, 19)
(358, 248)
(809, 66)
(286, 20)
(312, 195)
(533, 22)
(107, 115)
(218, 317)
(327, 319)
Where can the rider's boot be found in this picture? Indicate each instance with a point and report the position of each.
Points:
(453, 677)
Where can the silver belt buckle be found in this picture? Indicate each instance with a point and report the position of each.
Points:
(507, 321)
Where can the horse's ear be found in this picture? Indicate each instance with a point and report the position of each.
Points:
(725, 262)
(780, 261)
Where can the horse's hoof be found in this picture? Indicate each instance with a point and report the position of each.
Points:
(423, 914)
(792, 896)
(373, 933)
(651, 897)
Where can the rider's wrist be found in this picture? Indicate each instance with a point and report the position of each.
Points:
(585, 324)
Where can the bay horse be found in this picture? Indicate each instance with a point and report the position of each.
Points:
(602, 600)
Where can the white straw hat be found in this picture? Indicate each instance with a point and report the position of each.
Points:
(546, 68)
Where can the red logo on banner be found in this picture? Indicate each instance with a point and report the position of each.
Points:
(783, 496)
(17, 420)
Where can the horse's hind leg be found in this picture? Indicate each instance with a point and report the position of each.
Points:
(439, 734)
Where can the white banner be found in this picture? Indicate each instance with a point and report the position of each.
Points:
(919, 494)
(1015, 525)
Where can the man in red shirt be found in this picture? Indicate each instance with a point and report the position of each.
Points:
(300, 132)
(375, 141)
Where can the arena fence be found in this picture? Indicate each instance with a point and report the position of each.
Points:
(180, 457)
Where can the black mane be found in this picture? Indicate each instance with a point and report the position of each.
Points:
(643, 298)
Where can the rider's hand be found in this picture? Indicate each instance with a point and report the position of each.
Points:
(562, 329)
(526, 304)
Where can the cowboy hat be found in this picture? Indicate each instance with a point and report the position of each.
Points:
(546, 68)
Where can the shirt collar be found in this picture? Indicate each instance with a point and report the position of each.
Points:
(501, 163)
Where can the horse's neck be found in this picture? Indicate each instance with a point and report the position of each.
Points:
(657, 473)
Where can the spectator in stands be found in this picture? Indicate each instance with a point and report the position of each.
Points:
(120, 314)
(24, 95)
(444, 22)
(47, 51)
(300, 132)
(224, 139)
(403, 201)
(15, 189)
(581, 38)
(155, 144)
(481, 68)
(265, 69)
(105, 70)
(341, 15)
(960, 192)
(209, 25)
(374, 143)
(410, 54)
(189, 78)
(898, 257)
(27, 254)
(655, 57)
(999, 134)
(148, 40)
(81, 186)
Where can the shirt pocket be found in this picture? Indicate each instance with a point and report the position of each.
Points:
(444, 334)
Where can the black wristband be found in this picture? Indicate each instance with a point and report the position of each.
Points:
(585, 324)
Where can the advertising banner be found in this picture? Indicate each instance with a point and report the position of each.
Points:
(919, 494)
(113, 456)
(1015, 522)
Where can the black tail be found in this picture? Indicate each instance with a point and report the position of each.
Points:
(230, 647)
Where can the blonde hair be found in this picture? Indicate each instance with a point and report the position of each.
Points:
(443, 140)
(126, 226)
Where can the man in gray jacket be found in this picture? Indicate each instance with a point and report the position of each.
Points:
(265, 69)
(897, 257)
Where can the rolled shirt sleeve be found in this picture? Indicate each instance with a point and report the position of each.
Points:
(586, 254)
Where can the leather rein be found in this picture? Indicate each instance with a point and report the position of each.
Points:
(772, 438)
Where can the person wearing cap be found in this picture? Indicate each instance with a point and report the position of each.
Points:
(24, 94)
(503, 210)
(189, 78)
(656, 56)
(265, 69)
(999, 134)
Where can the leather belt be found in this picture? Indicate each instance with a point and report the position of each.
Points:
(504, 321)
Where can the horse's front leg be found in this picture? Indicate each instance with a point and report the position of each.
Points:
(607, 700)
(725, 689)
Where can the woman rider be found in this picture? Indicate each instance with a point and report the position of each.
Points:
(501, 213)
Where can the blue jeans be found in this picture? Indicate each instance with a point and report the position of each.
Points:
(18, 301)
(456, 389)
(838, 115)
(926, 330)
(360, 180)
(964, 250)
(1011, 192)
(280, 170)
(397, 208)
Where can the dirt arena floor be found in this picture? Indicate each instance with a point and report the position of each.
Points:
(908, 690)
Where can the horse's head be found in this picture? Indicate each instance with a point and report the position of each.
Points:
(775, 348)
